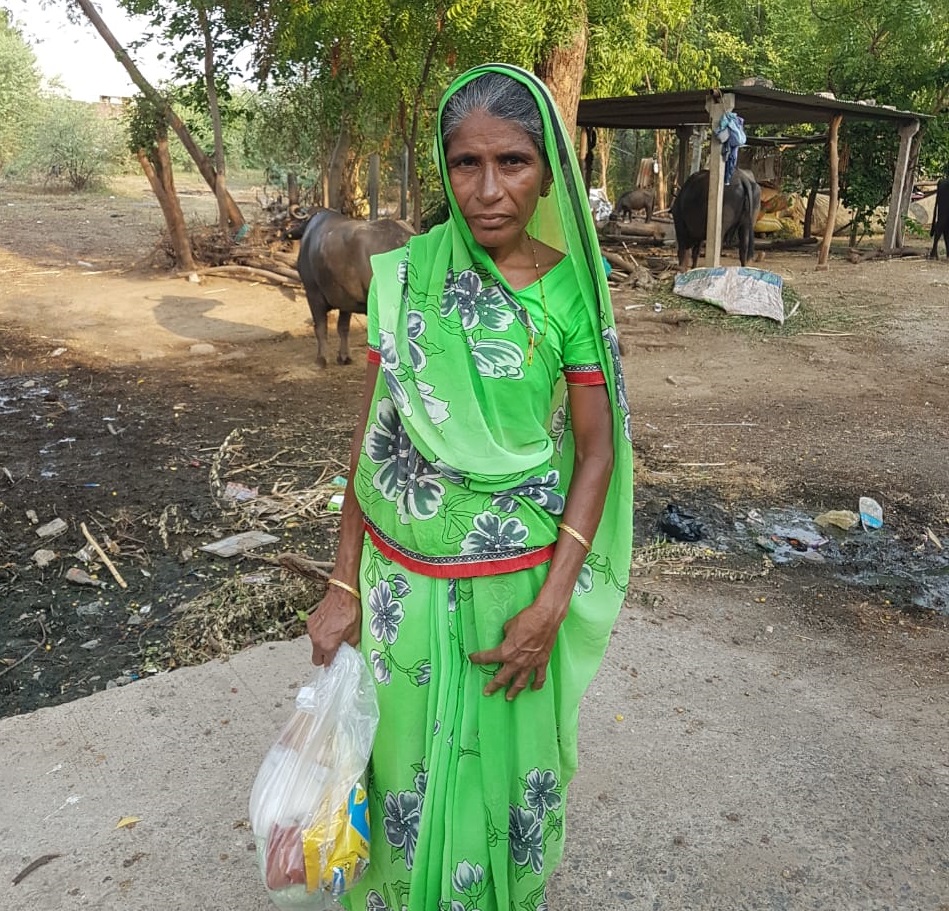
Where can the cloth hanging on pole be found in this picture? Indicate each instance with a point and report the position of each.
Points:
(731, 134)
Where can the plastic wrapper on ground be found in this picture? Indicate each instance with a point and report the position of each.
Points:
(308, 807)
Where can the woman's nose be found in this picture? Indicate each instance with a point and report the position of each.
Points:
(490, 188)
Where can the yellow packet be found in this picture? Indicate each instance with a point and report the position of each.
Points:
(336, 853)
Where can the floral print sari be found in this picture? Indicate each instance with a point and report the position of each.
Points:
(464, 472)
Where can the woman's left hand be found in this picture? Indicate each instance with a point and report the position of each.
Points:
(529, 638)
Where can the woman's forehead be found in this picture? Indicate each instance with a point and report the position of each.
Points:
(481, 128)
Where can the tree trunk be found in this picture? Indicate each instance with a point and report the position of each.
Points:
(337, 167)
(809, 210)
(220, 184)
(562, 71)
(605, 145)
(661, 178)
(833, 130)
(204, 164)
(157, 168)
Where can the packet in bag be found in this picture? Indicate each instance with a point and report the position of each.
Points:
(308, 806)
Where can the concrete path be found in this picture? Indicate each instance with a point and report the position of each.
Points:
(727, 762)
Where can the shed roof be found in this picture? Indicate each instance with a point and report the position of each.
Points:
(755, 103)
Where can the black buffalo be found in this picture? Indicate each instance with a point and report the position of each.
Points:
(634, 201)
(741, 202)
(334, 267)
(940, 226)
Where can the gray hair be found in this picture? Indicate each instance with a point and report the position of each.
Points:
(498, 95)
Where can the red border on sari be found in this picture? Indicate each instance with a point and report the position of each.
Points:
(457, 567)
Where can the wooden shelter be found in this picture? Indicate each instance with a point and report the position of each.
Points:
(756, 104)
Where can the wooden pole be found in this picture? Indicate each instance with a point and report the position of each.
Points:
(683, 135)
(893, 235)
(832, 134)
(373, 186)
(698, 143)
(717, 105)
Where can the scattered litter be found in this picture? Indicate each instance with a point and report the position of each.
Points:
(128, 822)
(239, 493)
(932, 537)
(238, 544)
(339, 481)
(92, 609)
(80, 577)
(841, 518)
(58, 352)
(52, 529)
(7, 475)
(83, 263)
(676, 525)
(32, 516)
(871, 513)
(335, 503)
(657, 307)
(42, 558)
(738, 290)
(90, 645)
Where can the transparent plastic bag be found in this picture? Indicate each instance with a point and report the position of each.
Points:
(308, 807)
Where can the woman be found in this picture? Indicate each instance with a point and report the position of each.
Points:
(492, 452)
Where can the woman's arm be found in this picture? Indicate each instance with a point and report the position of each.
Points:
(529, 636)
(336, 619)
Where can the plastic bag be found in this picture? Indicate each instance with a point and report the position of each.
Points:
(308, 807)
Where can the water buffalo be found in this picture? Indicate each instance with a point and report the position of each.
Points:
(334, 267)
(741, 202)
(634, 201)
(940, 226)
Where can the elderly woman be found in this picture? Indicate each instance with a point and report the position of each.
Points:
(485, 539)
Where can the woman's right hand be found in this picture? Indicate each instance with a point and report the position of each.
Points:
(335, 620)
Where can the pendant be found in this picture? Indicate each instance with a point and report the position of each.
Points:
(530, 351)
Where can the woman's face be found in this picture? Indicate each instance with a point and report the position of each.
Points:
(497, 175)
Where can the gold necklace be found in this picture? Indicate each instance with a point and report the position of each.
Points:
(543, 300)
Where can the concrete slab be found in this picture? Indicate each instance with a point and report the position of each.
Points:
(729, 762)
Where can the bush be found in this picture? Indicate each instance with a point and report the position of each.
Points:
(72, 144)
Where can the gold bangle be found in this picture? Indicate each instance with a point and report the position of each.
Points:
(346, 588)
(587, 546)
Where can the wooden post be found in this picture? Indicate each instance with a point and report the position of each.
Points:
(698, 144)
(373, 186)
(832, 133)
(893, 235)
(588, 158)
(683, 137)
(717, 105)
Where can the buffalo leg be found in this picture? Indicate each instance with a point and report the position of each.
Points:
(342, 327)
(318, 311)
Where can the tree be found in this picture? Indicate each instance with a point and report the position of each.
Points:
(148, 140)
(161, 104)
(19, 88)
(204, 36)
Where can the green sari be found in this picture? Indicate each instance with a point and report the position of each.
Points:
(464, 473)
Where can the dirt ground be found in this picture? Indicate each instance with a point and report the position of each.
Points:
(131, 399)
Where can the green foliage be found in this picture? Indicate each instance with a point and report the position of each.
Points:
(73, 144)
(19, 88)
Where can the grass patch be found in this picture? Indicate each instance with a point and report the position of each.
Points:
(831, 317)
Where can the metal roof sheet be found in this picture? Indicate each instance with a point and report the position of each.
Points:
(755, 103)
